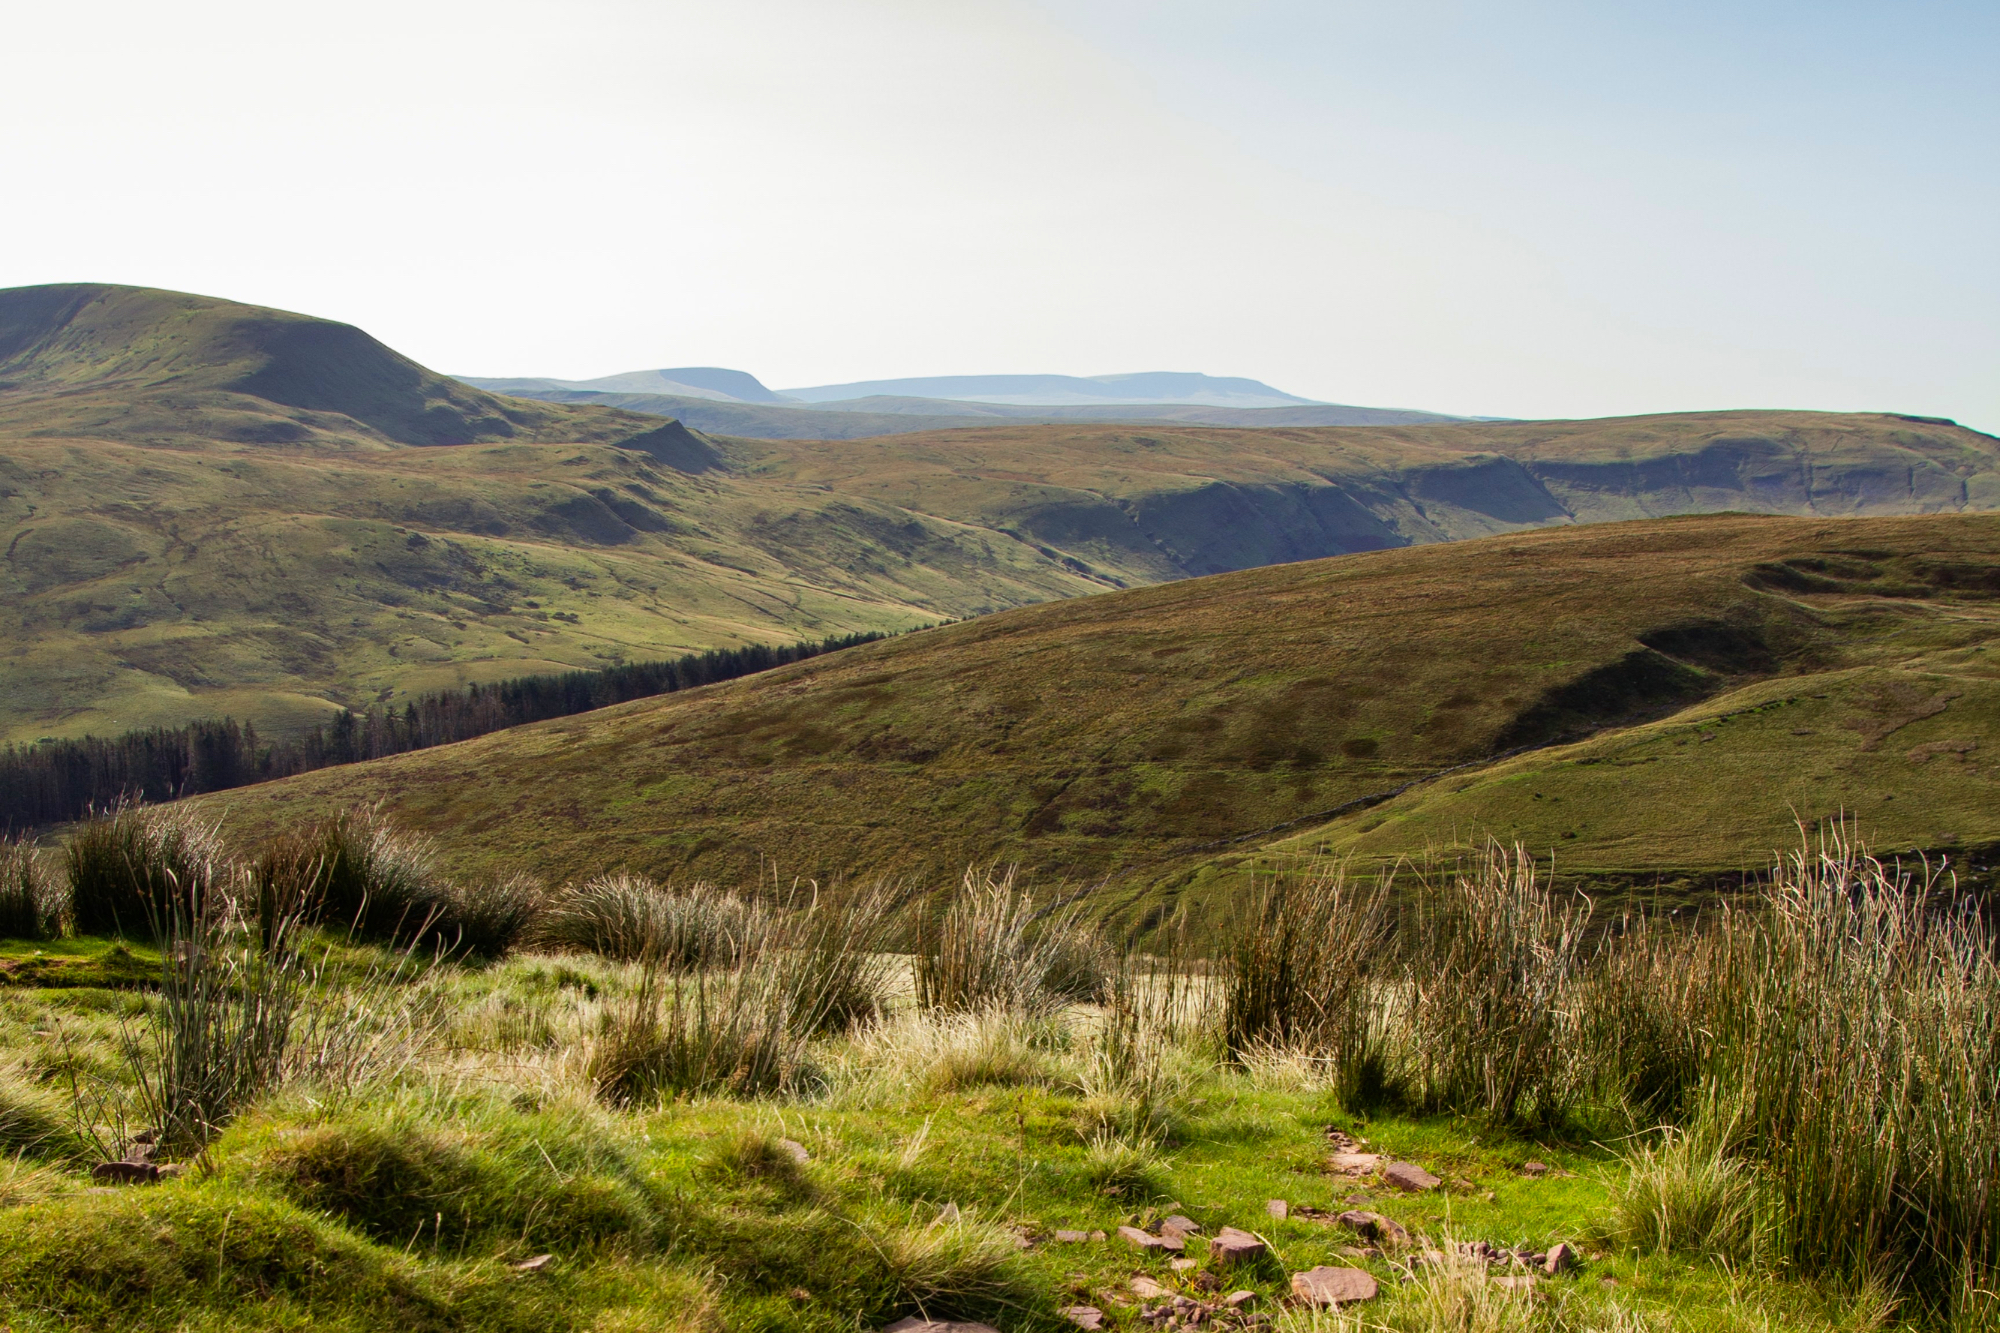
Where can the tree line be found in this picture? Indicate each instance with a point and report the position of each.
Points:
(52, 781)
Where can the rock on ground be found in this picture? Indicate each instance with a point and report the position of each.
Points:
(1408, 1176)
(1334, 1286)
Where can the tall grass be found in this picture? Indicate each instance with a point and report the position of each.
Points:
(629, 917)
(1305, 976)
(32, 905)
(357, 872)
(131, 870)
(1490, 956)
(222, 1022)
(1860, 1047)
(743, 1028)
(992, 946)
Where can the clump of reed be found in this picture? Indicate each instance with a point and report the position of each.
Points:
(1489, 959)
(33, 905)
(1857, 1048)
(743, 1027)
(131, 870)
(1304, 976)
(221, 1025)
(357, 872)
(992, 946)
(629, 917)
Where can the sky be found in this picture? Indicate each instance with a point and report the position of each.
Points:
(1526, 209)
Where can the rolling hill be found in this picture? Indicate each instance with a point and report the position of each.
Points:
(1645, 698)
(211, 508)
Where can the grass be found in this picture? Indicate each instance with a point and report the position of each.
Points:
(1157, 741)
(404, 1195)
(132, 872)
(31, 905)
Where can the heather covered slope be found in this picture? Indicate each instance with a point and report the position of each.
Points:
(1160, 736)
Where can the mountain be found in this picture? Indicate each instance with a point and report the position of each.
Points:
(1651, 698)
(710, 383)
(860, 418)
(1161, 387)
(210, 508)
(89, 359)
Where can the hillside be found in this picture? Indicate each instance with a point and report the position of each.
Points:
(1162, 736)
(211, 508)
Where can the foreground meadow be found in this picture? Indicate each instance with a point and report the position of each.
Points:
(327, 1086)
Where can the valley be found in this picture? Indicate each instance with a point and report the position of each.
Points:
(213, 509)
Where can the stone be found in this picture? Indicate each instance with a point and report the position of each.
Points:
(1408, 1176)
(1147, 1241)
(534, 1265)
(1374, 1226)
(125, 1173)
(1534, 1168)
(1146, 1289)
(1231, 1246)
(1071, 1237)
(1181, 1265)
(1236, 1300)
(794, 1150)
(1179, 1226)
(1355, 1163)
(1560, 1258)
(919, 1324)
(1278, 1208)
(1325, 1285)
(1097, 1237)
(1084, 1316)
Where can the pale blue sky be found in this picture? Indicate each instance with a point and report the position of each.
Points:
(1520, 209)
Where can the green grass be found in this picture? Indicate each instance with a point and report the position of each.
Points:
(1159, 742)
(209, 508)
(405, 1203)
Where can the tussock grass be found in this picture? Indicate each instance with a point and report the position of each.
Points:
(629, 917)
(1687, 1194)
(1126, 1168)
(130, 870)
(357, 872)
(1303, 978)
(33, 906)
(222, 1024)
(992, 946)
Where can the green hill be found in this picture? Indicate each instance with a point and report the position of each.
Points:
(211, 508)
(1723, 670)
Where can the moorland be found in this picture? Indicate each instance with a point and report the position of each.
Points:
(215, 509)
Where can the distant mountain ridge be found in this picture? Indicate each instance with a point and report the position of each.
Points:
(1145, 388)
(710, 382)
(864, 418)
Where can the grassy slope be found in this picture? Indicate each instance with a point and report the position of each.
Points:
(492, 1140)
(211, 508)
(1127, 735)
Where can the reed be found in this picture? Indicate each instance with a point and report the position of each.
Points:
(131, 870)
(993, 946)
